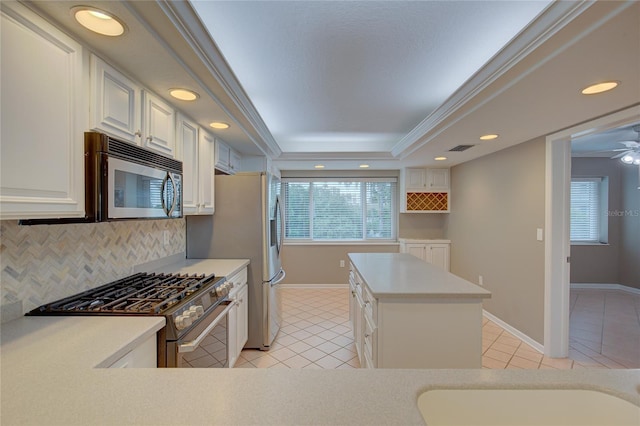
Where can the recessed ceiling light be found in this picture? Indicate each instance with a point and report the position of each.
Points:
(440, 158)
(364, 166)
(219, 125)
(98, 21)
(488, 137)
(600, 87)
(184, 94)
(319, 166)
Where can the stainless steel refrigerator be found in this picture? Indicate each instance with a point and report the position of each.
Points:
(247, 224)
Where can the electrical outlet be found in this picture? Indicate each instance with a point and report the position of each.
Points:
(166, 236)
(480, 280)
(342, 263)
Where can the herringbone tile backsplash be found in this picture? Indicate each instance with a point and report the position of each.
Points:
(44, 263)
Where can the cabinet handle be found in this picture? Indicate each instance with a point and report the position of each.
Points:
(150, 138)
(366, 302)
(366, 335)
(353, 293)
(138, 133)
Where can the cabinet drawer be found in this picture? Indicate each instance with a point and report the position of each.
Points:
(370, 305)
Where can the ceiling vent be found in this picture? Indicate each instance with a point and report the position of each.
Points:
(461, 148)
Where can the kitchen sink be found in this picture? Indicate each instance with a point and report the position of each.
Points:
(525, 407)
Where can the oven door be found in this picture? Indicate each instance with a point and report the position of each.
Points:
(139, 191)
(207, 344)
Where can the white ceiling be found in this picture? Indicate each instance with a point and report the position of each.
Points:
(392, 84)
(356, 76)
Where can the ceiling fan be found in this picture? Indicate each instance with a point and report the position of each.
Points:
(631, 153)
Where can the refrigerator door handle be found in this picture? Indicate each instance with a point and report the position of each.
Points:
(280, 212)
(278, 278)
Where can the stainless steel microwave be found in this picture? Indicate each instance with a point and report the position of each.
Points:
(124, 181)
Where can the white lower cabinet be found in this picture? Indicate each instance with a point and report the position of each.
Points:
(238, 326)
(145, 355)
(435, 252)
(44, 114)
(414, 332)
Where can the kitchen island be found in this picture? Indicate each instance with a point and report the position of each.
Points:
(408, 313)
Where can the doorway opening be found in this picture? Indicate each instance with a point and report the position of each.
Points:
(557, 241)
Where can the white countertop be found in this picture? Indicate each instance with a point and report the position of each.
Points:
(49, 378)
(220, 267)
(422, 241)
(403, 275)
(49, 375)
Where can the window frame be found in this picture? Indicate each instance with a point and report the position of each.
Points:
(601, 208)
(363, 205)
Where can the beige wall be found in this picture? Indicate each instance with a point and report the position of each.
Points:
(497, 204)
(320, 264)
(600, 263)
(422, 225)
(630, 238)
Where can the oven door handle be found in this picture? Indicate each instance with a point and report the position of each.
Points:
(192, 345)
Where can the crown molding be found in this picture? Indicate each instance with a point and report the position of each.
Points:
(189, 25)
(557, 16)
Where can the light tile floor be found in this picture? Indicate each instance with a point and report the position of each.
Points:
(316, 334)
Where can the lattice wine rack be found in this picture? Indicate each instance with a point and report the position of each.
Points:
(427, 201)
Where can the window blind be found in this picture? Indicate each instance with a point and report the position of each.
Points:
(339, 209)
(585, 210)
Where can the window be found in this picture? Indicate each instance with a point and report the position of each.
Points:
(339, 209)
(588, 202)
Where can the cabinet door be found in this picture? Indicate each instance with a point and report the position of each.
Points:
(187, 152)
(243, 318)
(222, 156)
(417, 250)
(232, 330)
(158, 124)
(234, 161)
(437, 179)
(438, 254)
(115, 102)
(44, 114)
(416, 178)
(206, 173)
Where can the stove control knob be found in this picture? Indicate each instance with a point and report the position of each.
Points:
(179, 322)
(222, 290)
(191, 313)
(196, 310)
(199, 310)
(186, 320)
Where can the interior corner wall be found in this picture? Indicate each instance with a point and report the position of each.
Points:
(498, 202)
(600, 263)
(630, 228)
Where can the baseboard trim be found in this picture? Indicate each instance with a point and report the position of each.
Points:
(605, 286)
(519, 334)
(315, 286)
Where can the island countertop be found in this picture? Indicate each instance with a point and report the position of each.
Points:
(403, 275)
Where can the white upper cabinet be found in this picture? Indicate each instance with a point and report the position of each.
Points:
(425, 191)
(426, 179)
(206, 172)
(158, 126)
(115, 102)
(187, 138)
(195, 148)
(122, 108)
(227, 160)
(44, 115)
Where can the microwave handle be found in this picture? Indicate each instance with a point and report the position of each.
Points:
(167, 179)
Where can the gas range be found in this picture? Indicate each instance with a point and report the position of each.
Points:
(182, 299)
